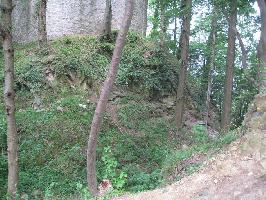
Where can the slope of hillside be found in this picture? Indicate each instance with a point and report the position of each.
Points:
(139, 147)
(237, 173)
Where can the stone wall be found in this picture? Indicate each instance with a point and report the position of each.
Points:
(68, 17)
(25, 23)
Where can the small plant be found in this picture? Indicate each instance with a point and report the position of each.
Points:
(48, 194)
(110, 171)
(83, 191)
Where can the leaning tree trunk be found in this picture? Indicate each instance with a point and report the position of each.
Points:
(186, 6)
(42, 32)
(262, 46)
(9, 98)
(228, 86)
(101, 106)
(210, 64)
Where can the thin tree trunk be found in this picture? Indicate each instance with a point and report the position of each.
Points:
(262, 46)
(227, 105)
(156, 18)
(175, 30)
(145, 22)
(9, 98)
(101, 106)
(243, 50)
(163, 23)
(108, 19)
(210, 64)
(42, 32)
(186, 5)
(175, 25)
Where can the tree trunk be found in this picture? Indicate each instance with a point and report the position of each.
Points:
(210, 64)
(145, 17)
(108, 19)
(186, 6)
(42, 33)
(163, 24)
(101, 106)
(175, 25)
(242, 46)
(262, 46)
(243, 50)
(9, 98)
(228, 87)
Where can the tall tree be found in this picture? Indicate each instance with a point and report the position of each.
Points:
(9, 97)
(262, 45)
(186, 8)
(105, 92)
(42, 32)
(228, 86)
(210, 63)
(108, 19)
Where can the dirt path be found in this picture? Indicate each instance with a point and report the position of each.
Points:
(230, 175)
(239, 173)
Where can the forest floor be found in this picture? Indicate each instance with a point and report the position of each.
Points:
(239, 172)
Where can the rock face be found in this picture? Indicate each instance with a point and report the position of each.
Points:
(68, 17)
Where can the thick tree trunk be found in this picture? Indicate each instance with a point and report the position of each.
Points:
(262, 46)
(228, 86)
(186, 6)
(242, 46)
(42, 33)
(210, 64)
(101, 106)
(108, 19)
(9, 98)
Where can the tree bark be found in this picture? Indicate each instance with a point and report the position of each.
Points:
(262, 46)
(101, 106)
(9, 98)
(175, 25)
(108, 19)
(242, 46)
(42, 32)
(228, 87)
(210, 64)
(186, 6)
(145, 17)
(163, 23)
(243, 50)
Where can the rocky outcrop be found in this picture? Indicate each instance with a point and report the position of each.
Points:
(68, 17)
(255, 125)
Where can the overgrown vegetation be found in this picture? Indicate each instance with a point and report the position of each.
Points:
(53, 137)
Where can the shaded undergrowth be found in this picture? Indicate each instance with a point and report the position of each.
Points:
(53, 138)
